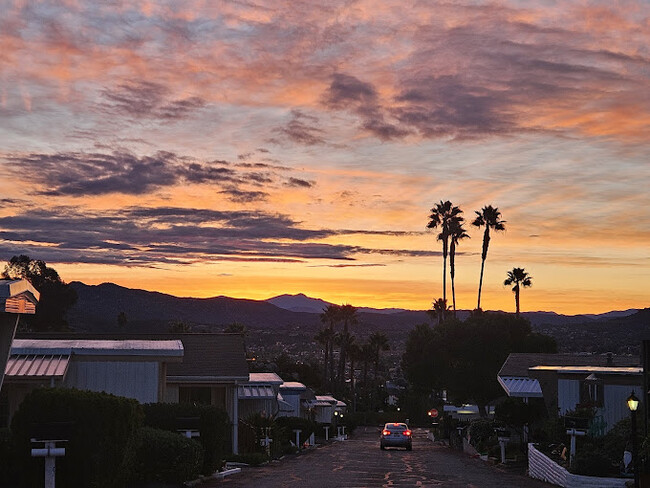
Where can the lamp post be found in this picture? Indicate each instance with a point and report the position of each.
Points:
(633, 404)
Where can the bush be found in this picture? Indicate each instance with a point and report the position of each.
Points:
(591, 462)
(289, 424)
(103, 426)
(482, 434)
(160, 455)
(7, 474)
(213, 425)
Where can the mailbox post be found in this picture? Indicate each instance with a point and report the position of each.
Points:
(48, 434)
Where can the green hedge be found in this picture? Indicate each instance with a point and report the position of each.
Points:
(163, 456)
(103, 426)
(214, 427)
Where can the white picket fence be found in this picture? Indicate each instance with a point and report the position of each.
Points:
(544, 468)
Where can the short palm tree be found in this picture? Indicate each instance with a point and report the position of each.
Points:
(490, 217)
(439, 310)
(519, 278)
(456, 234)
(442, 216)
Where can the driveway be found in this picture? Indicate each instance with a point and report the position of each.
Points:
(358, 462)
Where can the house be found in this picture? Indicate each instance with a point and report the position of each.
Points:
(289, 398)
(213, 367)
(129, 368)
(209, 369)
(568, 381)
(260, 395)
(16, 297)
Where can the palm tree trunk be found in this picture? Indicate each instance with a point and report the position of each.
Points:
(452, 272)
(486, 244)
(480, 285)
(444, 270)
(517, 300)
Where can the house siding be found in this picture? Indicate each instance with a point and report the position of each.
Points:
(137, 380)
(568, 395)
(615, 400)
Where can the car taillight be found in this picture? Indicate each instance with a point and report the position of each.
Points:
(385, 432)
(407, 432)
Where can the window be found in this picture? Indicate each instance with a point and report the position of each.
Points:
(195, 394)
(591, 391)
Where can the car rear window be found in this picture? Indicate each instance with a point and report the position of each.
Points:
(396, 428)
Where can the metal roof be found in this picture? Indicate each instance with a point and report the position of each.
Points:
(521, 387)
(292, 385)
(590, 369)
(98, 347)
(270, 378)
(518, 363)
(255, 392)
(37, 366)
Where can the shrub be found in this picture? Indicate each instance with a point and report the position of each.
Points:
(289, 424)
(103, 426)
(482, 434)
(213, 426)
(592, 462)
(160, 455)
(6, 455)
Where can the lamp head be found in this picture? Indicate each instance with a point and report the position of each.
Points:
(632, 402)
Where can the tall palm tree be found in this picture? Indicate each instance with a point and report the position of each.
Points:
(330, 317)
(439, 310)
(378, 342)
(456, 233)
(348, 316)
(519, 277)
(354, 355)
(441, 217)
(490, 217)
(325, 337)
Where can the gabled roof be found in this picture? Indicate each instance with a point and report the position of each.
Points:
(517, 364)
(210, 357)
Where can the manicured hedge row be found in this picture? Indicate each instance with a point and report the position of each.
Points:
(213, 426)
(103, 427)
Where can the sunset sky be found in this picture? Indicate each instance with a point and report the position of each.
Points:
(250, 149)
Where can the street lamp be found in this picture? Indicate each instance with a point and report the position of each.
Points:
(633, 404)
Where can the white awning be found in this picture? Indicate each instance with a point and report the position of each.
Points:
(37, 366)
(520, 387)
(256, 392)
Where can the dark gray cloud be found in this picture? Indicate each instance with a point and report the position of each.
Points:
(156, 236)
(145, 99)
(243, 196)
(299, 183)
(302, 129)
(80, 174)
(347, 92)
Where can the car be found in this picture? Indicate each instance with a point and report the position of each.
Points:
(396, 434)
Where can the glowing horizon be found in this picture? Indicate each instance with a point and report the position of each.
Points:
(252, 150)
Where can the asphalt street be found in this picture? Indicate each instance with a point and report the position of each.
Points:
(358, 462)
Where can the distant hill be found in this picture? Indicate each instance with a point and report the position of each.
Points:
(303, 303)
(98, 306)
